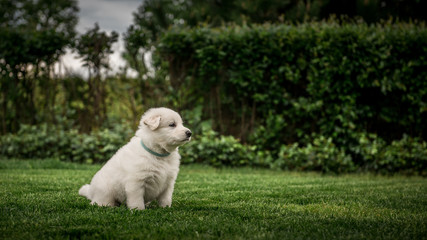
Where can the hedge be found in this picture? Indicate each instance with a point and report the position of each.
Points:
(407, 155)
(47, 141)
(275, 85)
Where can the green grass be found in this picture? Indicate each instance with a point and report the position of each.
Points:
(39, 200)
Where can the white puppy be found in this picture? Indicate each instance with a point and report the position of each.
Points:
(145, 169)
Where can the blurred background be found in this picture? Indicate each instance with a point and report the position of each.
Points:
(325, 85)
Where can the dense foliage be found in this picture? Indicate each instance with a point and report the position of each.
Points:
(34, 34)
(45, 141)
(317, 95)
(326, 96)
(408, 155)
(271, 85)
(155, 17)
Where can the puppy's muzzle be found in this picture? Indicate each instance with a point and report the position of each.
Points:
(188, 133)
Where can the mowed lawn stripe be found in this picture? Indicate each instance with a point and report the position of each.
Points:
(40, 200)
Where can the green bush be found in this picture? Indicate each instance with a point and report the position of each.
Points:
(209, 148)
(407, 155)
(271, 85)
(44, 141)
(318, 153)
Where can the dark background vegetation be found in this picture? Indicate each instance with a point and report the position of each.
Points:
(333, 86)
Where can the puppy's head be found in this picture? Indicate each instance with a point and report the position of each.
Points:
(164, 127)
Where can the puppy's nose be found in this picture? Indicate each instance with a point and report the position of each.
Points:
(188, 133)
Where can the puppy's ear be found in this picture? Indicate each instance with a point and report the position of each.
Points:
(152, 122)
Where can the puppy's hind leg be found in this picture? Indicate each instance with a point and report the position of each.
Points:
(104, 202)
(102, 198)
(85, 191)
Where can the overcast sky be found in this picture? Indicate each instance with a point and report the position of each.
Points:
(111, 15)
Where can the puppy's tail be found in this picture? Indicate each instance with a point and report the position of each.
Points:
(85, 191)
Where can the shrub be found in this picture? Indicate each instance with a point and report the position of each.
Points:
(217, 151)
(407, 155)
(44, 141)
(317, 153)
(320, 155)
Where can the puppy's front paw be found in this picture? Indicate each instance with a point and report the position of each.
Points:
(165, 203)
(136, 206)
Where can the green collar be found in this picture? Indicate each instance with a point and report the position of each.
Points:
(153, 152)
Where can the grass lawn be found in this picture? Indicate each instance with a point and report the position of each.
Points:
(39, 200)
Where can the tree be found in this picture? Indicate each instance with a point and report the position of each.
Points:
(34, 33)
(94, 47)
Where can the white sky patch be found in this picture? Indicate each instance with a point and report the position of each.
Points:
(111, 15)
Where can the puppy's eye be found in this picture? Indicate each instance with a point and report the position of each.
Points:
(172, 125)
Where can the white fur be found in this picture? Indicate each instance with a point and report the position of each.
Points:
(133, 175)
